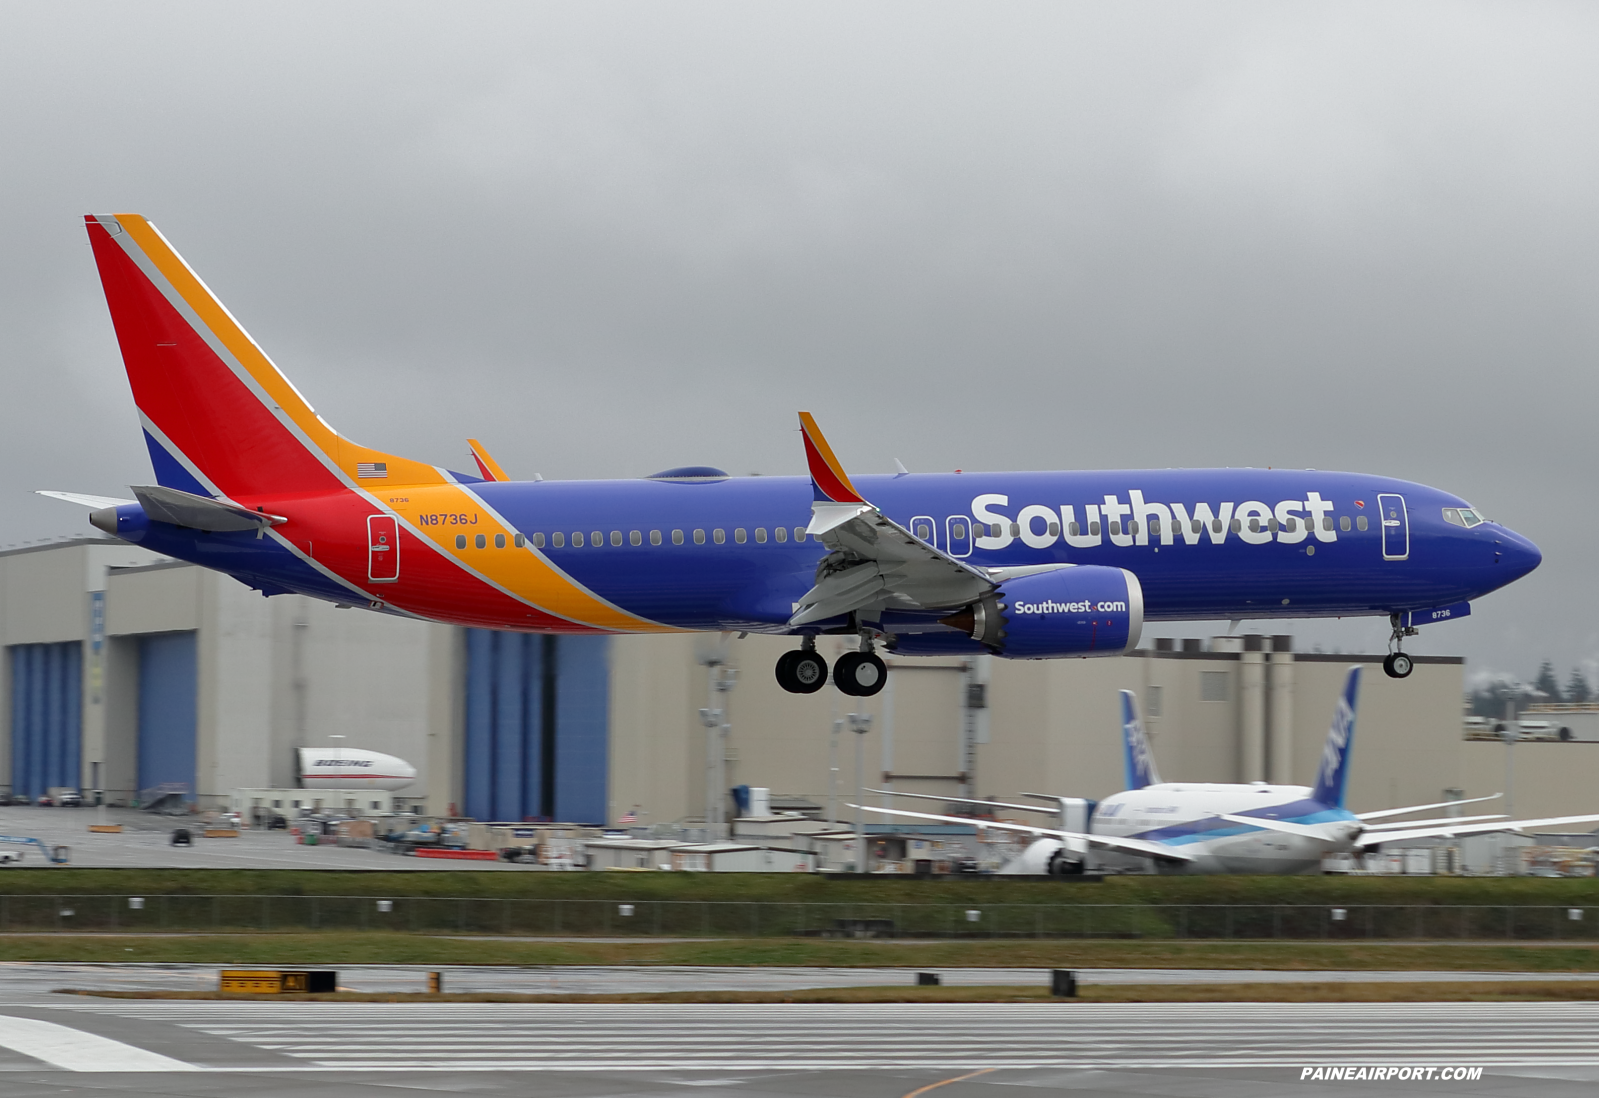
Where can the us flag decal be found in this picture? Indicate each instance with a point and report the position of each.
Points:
(371, 469)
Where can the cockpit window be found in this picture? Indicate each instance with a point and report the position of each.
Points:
(1463, 516)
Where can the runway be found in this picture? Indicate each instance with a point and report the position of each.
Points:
(69, 1045)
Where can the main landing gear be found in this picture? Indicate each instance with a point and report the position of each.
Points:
(804, 671)
(1397, 665)
(859, 674)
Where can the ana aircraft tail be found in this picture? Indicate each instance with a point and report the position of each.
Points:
(219, 418)
(1333, 773)
(1139, 759)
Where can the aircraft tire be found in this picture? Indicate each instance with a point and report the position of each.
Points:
(801, 672)
(1398, 666)
(860, 674)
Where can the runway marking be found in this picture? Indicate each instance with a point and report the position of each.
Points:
(73, 1049)
(946, 1082)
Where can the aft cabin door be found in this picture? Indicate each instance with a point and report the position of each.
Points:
(383, 548)
(1395, 527)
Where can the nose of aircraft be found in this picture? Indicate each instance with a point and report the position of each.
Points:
(1514, 555)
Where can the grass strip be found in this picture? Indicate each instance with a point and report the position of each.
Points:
(332, 949)
(1339, 992)
(800, 887)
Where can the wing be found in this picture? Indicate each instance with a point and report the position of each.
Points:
(97, 502)
(964, 800)
(1472, 829)
(1378, 829)
(875, 562)
(1158, 851)
(1386, 812)
(1324, 832)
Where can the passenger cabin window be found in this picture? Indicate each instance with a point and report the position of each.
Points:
(616, 537)
(1074, 530)
(1238, 525)
(538, 540)
(1015, 529)
(1115, 527)
(760, 535)
(677, 537)
(739, 535)
(1326, 522)
(1215, 525)
(558, 539)
(596, 539)
(1360, 522)
(958, 531)
(499, 541)
(699, 537)
(1271, 524)
(520, 541)
(924, 531)
(1093, 529)
(1054, 529)
(1154, 526)
(799, 533)
(719, 535)
(1343, 523)
(634, 537)
(1195, 526)
(655, 537)
(460, 541)
(1132, 526)
(781, 533)
(481, 541)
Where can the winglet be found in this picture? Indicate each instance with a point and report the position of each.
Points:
(1333, 773)
(1138, 758)
(828, 478)
(486, 464)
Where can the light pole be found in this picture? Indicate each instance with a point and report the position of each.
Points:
(860, 723)
(714, 718)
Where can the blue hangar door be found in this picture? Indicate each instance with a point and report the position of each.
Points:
(46, 717)
(169, 682)
(537, 727)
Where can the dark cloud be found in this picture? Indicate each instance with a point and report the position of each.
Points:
(612, 238)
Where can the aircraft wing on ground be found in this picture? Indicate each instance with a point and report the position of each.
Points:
(1452, 831)
(964, 800)
(1158, 851)
(874, 560)
(1308, 831)
(1386, 812)
(1378, 829)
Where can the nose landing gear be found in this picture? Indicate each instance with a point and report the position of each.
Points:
(1397, 665)
(802, 671)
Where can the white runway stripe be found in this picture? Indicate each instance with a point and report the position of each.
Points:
(64, 1047)
(653, 1036)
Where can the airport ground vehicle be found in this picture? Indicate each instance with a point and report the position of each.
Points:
(252, 482)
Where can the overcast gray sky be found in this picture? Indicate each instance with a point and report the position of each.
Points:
(612, 238)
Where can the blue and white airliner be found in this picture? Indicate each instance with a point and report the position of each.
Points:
(1196, 827)
(250, 481)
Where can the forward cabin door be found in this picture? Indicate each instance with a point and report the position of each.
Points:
(1395, 527)
(383, 548)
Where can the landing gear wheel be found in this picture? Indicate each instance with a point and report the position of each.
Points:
(860, 674)
(802, 672)
(1398, 666)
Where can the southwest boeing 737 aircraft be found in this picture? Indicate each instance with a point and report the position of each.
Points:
(1200, 827)
(252, 482)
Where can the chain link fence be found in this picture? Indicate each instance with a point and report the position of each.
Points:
(690, 919)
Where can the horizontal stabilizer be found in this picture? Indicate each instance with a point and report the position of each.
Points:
(1452, 830)
(200, 512)
(97, 502)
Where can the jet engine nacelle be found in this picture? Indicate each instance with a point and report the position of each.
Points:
(1044, 858)
(1083, 610)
